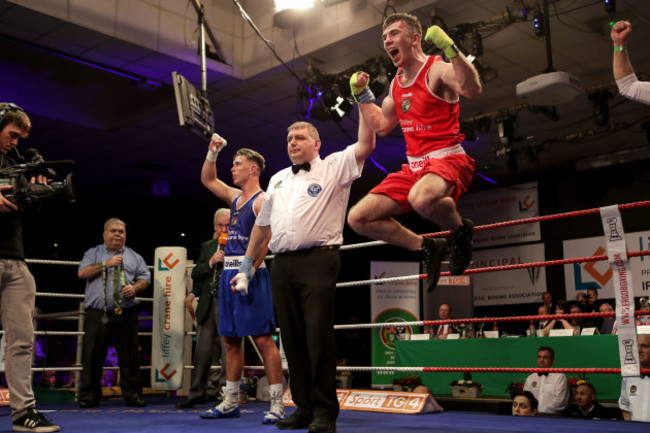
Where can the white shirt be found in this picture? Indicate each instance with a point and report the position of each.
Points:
(552, 391)
(630, 87)
(307, 209)
(635, 397)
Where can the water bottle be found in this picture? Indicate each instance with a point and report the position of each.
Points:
(532, 332)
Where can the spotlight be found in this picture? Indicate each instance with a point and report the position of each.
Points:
(538, 23)
(341, 108)
(600, 106)
(610, 6)
(506, 128)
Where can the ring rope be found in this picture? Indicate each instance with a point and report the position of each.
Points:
(493, 269)
(485, 320)
(596, 370)
(78, 296)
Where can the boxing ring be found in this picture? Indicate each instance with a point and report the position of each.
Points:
(161, 414)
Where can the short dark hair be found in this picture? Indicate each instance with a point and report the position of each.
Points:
(411, 21)
(590, 386)
(548, 349)
(534, 404)
(251, 155)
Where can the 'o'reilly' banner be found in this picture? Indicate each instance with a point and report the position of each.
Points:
(168, 317)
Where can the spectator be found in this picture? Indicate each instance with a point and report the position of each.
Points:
(524, 403)
(635, 391)
(114, 274)
(210, 347)
(444, 313)
(547, 299)
(550, 389)
(543, 311)
(592, 301)
(586, 404)
(581, 299)
(557, 323)
(609, 323)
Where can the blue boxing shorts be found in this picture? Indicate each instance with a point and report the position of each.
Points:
(252, 314)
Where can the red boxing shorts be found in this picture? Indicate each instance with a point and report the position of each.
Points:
(457, 169)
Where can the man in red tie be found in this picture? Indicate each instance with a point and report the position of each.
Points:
(444, 313)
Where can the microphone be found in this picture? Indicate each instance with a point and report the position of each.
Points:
(223, 238)
(37, 163)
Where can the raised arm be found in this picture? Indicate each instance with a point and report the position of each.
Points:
(209, 172)
(460, 75)
(622, 66)
(380, 120)
(366, 144)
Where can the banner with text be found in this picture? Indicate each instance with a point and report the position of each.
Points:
(168, 317)
(397, 302)
(519, 286)
(503, 204)
(579, 277)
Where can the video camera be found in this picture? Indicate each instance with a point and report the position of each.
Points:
(23, 193)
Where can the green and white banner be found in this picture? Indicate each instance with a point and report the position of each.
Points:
(393, 302)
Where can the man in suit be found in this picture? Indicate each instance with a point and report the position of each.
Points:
(209, 345)
(444, 313)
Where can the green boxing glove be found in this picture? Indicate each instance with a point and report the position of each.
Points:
(363, 93)
(436, 35)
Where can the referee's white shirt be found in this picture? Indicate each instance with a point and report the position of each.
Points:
(307, 209)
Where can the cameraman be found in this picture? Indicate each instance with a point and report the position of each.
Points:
(17, 288)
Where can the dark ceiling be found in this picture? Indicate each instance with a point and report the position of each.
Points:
(125, 139)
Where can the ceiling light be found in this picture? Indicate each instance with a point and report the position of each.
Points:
(281, 5)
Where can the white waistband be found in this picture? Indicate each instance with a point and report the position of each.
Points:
(233, 262)
(417, 162)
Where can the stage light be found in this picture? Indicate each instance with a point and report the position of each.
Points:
(538, 23)
(610, 6)
(290, 13)
(477, 44)
(281, 5)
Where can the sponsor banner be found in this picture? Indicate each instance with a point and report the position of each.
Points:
(398, 302)
(4, 396)
(503, 204)
(454, 280)
(519, 286)
(380, 401)
(578, 277)
(168, 317)
(623, 289)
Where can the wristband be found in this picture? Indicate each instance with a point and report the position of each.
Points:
(620, 48)
(212, 155)
(365, 96)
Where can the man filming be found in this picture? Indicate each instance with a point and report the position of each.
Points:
(17, 287)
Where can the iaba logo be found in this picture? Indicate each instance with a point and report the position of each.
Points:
(390, 334)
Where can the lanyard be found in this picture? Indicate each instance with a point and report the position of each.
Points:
(118, 283)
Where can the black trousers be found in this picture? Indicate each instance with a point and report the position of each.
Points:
(303, 285)
(124, 330)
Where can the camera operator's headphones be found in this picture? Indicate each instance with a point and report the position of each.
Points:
(9, 107)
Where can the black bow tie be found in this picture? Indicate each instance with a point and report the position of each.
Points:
(297, 167)
(543, 374)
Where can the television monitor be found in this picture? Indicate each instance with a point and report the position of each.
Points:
(194, 110)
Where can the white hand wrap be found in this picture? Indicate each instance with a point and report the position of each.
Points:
(219, 143)
(241, 285)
